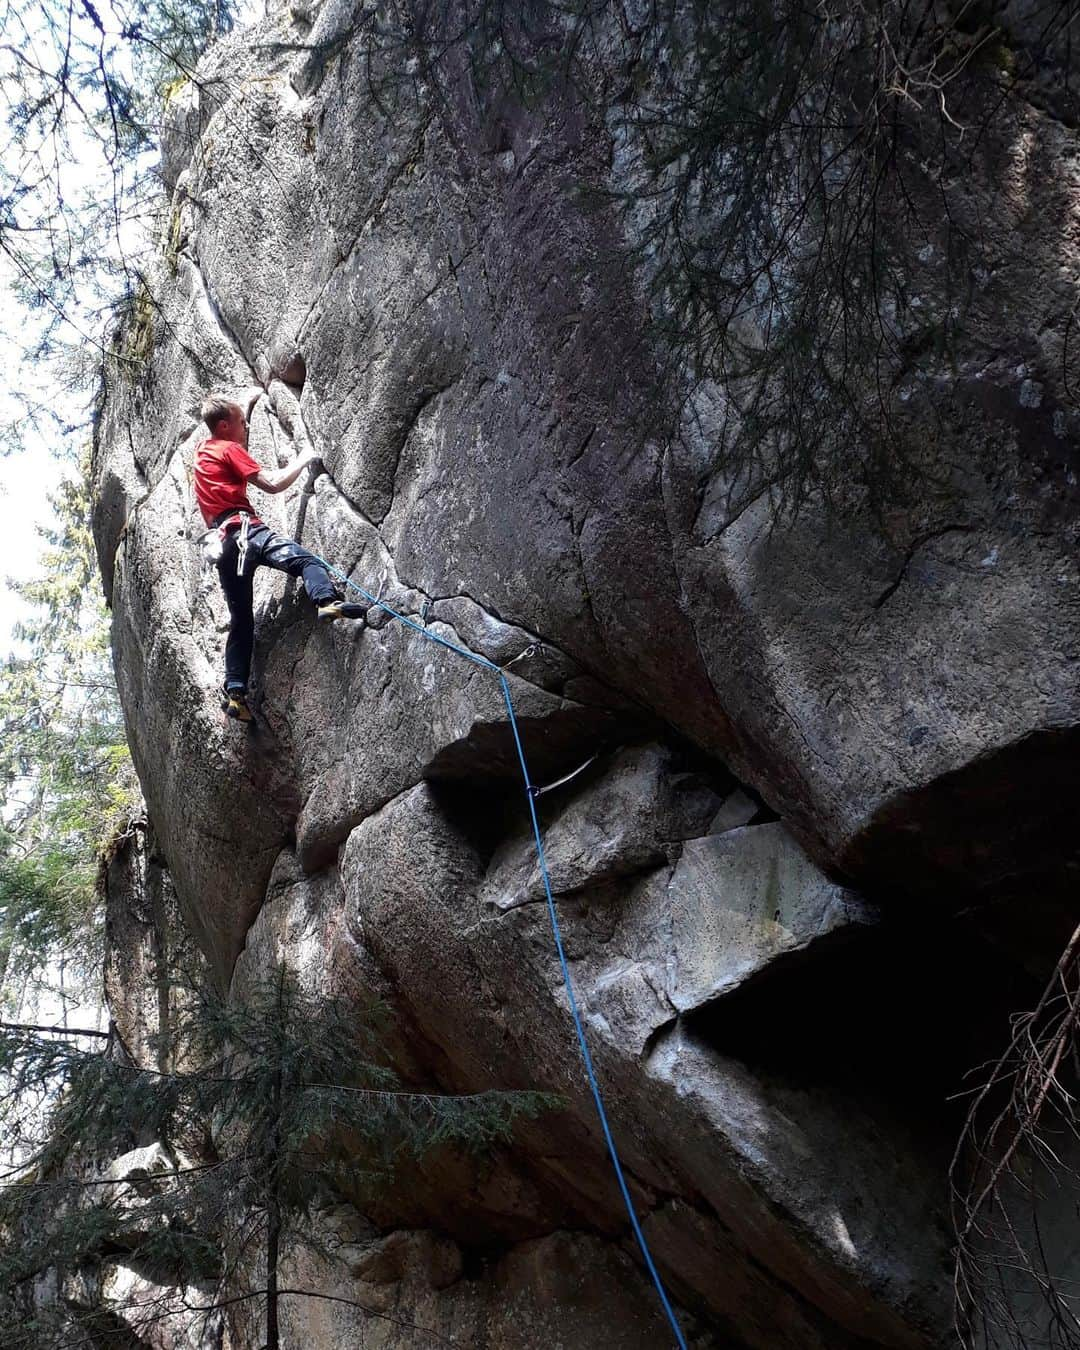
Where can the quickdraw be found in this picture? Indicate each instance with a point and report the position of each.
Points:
(242, 545)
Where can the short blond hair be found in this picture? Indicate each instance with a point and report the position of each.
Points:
(216, 409)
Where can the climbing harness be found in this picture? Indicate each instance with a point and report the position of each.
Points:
(211, 544)
(211, 548)
(531, 794)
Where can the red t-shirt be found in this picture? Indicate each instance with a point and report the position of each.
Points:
(222, 470)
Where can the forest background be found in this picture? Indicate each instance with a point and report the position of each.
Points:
(80, 207)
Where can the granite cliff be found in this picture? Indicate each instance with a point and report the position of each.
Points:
(829, 832)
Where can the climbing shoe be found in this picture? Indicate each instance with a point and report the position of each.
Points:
(340, 609)
(234, 704)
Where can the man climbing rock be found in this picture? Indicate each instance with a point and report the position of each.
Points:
(223, 472)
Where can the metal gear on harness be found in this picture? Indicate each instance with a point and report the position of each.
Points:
(242, 545)
(211, 546)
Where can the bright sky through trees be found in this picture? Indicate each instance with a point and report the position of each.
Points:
(51, 168)
(80, 96)
(26, 479)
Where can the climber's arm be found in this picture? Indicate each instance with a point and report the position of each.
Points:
(283, 478)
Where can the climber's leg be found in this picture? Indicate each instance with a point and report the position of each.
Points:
(241, 638)
(286, 555)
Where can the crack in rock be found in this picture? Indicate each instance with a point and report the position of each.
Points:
(909, 556)
(212, 310)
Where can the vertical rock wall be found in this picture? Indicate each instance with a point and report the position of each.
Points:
(792, 727)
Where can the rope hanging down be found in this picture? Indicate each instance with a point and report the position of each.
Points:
(531, 794)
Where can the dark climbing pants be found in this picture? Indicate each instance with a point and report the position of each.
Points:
(265, 549)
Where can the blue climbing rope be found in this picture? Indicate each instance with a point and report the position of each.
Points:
(531, 795)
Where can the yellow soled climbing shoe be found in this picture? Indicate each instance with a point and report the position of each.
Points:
(340, 609)
(234, 704)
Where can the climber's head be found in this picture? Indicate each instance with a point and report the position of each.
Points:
(225, 419)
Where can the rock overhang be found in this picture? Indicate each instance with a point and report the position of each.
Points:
(905, 702)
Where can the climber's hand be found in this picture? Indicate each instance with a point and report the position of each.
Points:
(283, 478)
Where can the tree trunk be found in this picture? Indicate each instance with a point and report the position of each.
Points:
(273, 1239)
(273, 1206)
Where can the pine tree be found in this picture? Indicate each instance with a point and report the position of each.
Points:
(81, 205)
(67, 787)
(286, 1102)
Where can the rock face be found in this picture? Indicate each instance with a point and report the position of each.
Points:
(791, 735)
(563, 1289)
(149, 951)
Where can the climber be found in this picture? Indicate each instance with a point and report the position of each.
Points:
(238, 541)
